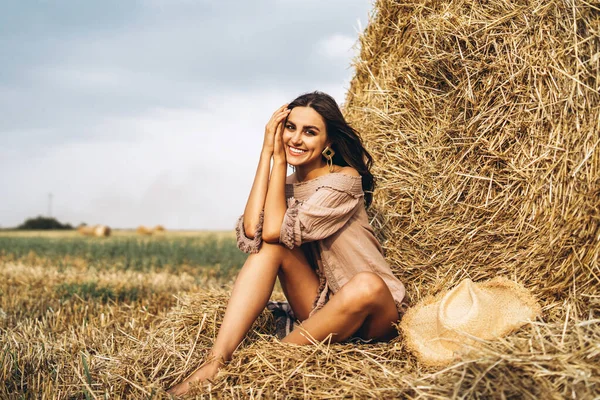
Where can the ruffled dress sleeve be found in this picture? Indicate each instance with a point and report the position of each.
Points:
(320, 216)
(246, 244)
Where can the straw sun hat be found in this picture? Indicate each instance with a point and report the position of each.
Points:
(441, 328)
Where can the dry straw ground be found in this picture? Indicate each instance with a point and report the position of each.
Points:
(484, 120)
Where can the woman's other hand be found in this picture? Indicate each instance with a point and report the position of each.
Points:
(279, 149)
(275, 123)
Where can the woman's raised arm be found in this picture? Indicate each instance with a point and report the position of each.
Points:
(258, 193)
(275, 204)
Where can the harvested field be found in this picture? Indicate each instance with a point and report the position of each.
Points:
(484, 120)
(79, 332)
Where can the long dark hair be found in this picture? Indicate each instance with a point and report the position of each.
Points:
(345, 141)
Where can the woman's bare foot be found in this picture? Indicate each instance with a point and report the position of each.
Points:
(206, 371)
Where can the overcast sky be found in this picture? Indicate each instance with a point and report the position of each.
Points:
(145, 112)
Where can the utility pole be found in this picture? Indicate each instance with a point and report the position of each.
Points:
(49, 205)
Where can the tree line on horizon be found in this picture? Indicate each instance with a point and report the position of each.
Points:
(44, 223)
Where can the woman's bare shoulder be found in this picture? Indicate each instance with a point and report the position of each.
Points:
(348, 171)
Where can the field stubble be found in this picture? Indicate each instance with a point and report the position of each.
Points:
(68, 303)
(75, 323)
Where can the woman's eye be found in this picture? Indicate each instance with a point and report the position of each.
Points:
(313, 133)
(290, 127)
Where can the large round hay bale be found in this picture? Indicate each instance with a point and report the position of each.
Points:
(484, 122)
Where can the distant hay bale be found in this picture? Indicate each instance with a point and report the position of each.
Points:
(86, 230)
(142, 230)
(94, 230)
(102, 231)
(484, 122)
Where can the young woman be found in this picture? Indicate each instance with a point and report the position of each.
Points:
(312, 232)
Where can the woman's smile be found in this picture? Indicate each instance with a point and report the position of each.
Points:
(294, 151)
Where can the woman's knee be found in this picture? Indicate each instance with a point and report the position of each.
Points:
(276, 254)
(365, 290)
(269, 250)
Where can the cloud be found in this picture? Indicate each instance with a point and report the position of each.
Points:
(84, 79)
(154, 110)
(188, 168)
(336, 46)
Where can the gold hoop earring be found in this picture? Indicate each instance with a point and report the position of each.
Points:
(328, 153)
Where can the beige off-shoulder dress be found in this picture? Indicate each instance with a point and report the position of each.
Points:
(326, 216)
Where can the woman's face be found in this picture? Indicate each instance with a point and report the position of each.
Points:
(304, 138)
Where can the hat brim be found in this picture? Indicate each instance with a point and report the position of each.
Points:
(513, 303)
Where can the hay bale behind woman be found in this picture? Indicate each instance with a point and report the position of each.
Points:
(484, 120)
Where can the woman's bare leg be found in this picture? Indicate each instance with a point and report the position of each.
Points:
(363, 306)
(251, 291)
(300, 283)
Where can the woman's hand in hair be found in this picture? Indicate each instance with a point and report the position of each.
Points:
(276, 123)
